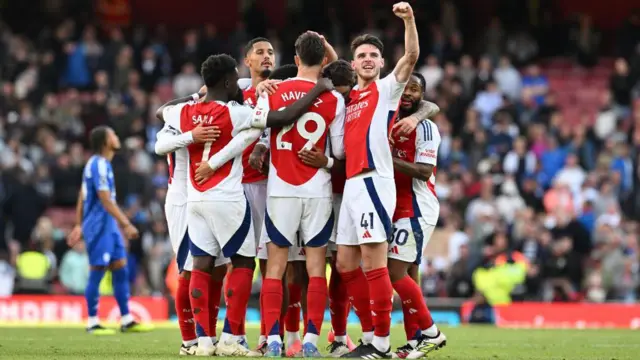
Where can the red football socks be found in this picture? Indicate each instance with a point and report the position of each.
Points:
(183, 310)
(358, 291)
(199, 296)
(381, 303)
(338, 304)
(214, 305)
(292, 318)
(271, 305)
(238, 293)
(316, 302)
(416, 308)
(263, 326)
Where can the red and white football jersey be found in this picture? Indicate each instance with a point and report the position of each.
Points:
(288, 176)
(369, 117)
(231, 118)
(250, 175)
(415, 197)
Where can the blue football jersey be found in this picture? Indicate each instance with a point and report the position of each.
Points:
(97, 176)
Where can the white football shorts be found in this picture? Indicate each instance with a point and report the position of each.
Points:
(368, 203)
(311, 219)
(179, 236)
(410, 237)
(221, 228)
(256, 194)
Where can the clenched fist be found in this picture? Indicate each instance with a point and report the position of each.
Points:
(403, 10)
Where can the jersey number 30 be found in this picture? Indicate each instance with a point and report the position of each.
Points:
(300, 124)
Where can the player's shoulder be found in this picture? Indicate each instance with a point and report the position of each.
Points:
(238, 109)
(427, 130)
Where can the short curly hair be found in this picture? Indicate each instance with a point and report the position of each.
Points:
(216, 67)
(284, 72)
(340, 72)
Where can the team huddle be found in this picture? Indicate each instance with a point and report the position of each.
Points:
(307, 164)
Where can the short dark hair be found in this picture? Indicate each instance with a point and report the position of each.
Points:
(421, 80)
(284, 72)
(98, 138)
(367, 39)
(310, 49)
(216, 67)
(249, 46)
(340, 72)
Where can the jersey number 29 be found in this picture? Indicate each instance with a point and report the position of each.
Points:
(300, 124)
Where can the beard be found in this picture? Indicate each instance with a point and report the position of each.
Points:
(265, 73)
(411, 109)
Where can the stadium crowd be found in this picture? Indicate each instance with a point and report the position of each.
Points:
(525, 183)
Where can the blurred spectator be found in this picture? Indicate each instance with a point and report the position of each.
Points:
(621, 84)
(585, 41)
(534, 84)
(508, 79)
(432, 72)
(74, 269)
(487, 102)
(522, 48)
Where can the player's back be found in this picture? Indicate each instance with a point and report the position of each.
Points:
(225, 183)
(416, 197)
(97, 176)
(368, 119)
(288, 175)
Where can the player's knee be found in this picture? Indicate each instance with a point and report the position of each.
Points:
(203, 263)
(262, 264)
(243, 262)
(219, 272)
(414, 272)
(374, 256)
(397, 269)
(348, 258)
(316, 266)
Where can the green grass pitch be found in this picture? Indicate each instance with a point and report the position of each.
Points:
(464, 343)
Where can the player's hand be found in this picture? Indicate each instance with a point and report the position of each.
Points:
(203, 134)
(203, 172)
(269, 86)
(403, 10)
(325, 84)
(265, 163)
(75, 236)
(405, 126)
(256, 160)
(314, 157)
(131, 232)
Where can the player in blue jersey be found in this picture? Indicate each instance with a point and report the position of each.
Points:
(98, 218)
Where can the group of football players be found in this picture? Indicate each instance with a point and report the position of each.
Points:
(314, 162)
